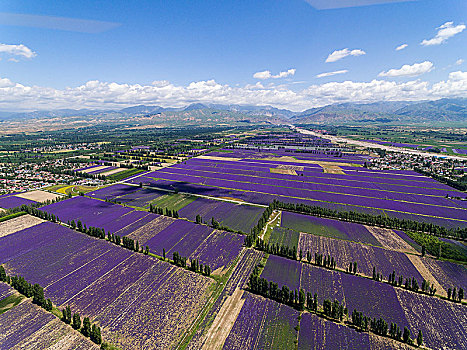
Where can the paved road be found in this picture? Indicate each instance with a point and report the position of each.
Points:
(375, 145)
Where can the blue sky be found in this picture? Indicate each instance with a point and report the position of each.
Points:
(108, 54)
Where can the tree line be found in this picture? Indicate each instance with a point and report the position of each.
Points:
(36, 292)
(255, 231)
(333, 309)
(329, 262)
(88, 330)
(373, 220)
(380, 327)
(195, 266)
(164, 211)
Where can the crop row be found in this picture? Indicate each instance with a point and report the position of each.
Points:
(111, 285)
(372, 298)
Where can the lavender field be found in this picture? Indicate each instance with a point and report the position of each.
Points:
(11, 201)
(235, 216)
(328, 228)
(26, 326)
(263, 324)
(104, 282)
(395, 193)
(147, 299)
(316, 333)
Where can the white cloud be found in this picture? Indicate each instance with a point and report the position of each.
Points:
(445, 31)
(401, 47)
(108, 95)
(267, 74)
(409, 70)
(330, 74)
(262, 75)
(340, 54)
(459, 62)
(17, 50)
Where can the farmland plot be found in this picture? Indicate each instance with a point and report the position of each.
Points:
(235, 216)
(141, 198)
(38, 196)
(318, 333)
(89, 211)
(26, 326)
(328, 227)
(373, 298)
(111, 284)
(283, 271)
(148, 229)
(367, 257)
(14, 201)
(390, 239)
(5, 290)
(284, 237)
(443, 323)
(237, 281)
(219, 249)
(448, 274)
(113, 191)
(363, 196)
(18, 224)
(263, 324)
(159, 315)
(327, 284)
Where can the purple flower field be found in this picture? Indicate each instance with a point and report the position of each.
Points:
(217, 182)
(448, 274)
(442, 322)
(326, 283)
(140, 198)
(236, 216)
(317, 333)
(9, 202)
(20, 322)
(262, 324)
(385, 261)
(219, 249)
(113, 191)
(362, 294)
(105, 282)
(283, 271)
(91, 212)
(372, 298)
(328, 227)
(5, 290)
(285, 237)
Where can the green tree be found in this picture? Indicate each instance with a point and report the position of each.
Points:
(96, 334)
(406, 335)
(76, 321)
(3, 276)
(86, 330)
(420, 338)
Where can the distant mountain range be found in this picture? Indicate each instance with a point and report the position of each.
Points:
(443, 110)
(446, 110)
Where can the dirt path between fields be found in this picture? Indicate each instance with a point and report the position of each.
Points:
(224, 321)
(390, 240)
(426, 274)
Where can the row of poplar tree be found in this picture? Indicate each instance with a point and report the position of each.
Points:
(36, 292)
